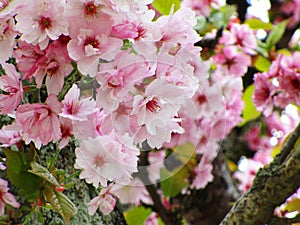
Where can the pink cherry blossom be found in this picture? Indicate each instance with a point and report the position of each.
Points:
(159, 104)
(29, 58)
(10, 134)
(75, 108)
(9, 8)
(90, 42)
(133, 193)
(152, 219)
(203, 175)
(56, 68)
(104, 201)
(246, 174)
(119, 77)
(7, 38)
(263, 92)
(253, 138)
(10, 83)
(103, 159)
(203, 7)
(232, 61)
(240, 35)
(163, 133)
(41, 21)
(6, 197)
(84, 8)
(177, 28)
(39, 122)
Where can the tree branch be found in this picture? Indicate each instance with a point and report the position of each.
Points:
(168, 217)
(271, 186)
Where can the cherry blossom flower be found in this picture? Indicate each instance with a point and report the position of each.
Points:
(246, 174)
(41, 21)
(163, 133)
(84, 8)
(160, 104)
(39, 122)
(133, 193)
(10, 134)
(152, 219)
(104, 201)
(7, 38)
(240, 35)
(10, 83)
(119, 77)
(203, 7)
(103, 159)
(91, 43)
(6, 197)
(56, 67)
(9, 8)
(75, 108)
(177, 28)
(263, 92)
(232, 61)
(29, 58)
(203, 175)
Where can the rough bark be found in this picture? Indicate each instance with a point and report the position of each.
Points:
(272, 185)
(209, 206)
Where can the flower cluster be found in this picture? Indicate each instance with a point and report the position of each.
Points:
(279, 86)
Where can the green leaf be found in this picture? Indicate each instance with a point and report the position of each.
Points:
(164, 7)
(249, 112)
(18, 164)
(257, 24)
(42, 172)
(220, 18)
(262, 63)
(201, 24)
(293, 205)
(173, 182)
(276, 34)
(61, 203)
(137, 215)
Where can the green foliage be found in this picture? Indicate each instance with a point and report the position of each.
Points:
(42, 172)
(137, 215)
(164, 7)
(220, 18)
(201, 24)
(61, 203)
(18, 164)
(249, 112)
(257, 24)
(276, 34)
(174, 179)
(262, 64)
(172, 182)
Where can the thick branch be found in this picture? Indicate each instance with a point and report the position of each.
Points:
(168, 217)
(272, 185)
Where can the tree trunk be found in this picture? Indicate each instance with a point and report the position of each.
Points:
(209, 206)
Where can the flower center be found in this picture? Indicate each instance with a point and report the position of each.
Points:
(73, 107)
(90, 9)
(99, 161)
(44, 22)
(153, 105)
(91, 41)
